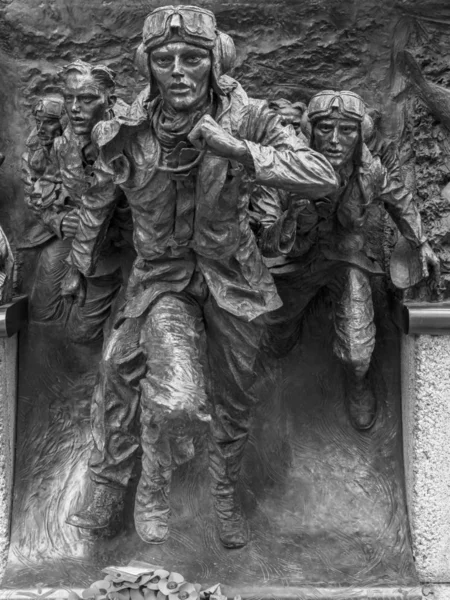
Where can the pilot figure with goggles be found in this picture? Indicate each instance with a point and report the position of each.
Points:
(330, 247)
(193, 318)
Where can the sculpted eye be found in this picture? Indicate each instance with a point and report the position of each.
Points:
(163, 61)
(193, 60)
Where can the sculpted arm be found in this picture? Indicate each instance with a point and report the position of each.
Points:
(275, 215)
(40, 196)
(94, 216)
(400, 205)
(271, 151)
(93, 221)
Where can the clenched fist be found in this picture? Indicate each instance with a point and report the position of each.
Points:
(74, 285)
(69, 224)
(429, 261)
(207, 133)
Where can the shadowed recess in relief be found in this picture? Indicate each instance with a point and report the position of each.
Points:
(325, 502)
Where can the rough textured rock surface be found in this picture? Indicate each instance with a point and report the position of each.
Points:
(424, 31)
(426, 426)
(437, 592)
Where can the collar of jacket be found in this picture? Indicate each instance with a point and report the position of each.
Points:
(140, 112)
(367, 160)
(80, 141)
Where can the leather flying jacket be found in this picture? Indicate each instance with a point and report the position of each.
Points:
(338, 225)
(199, 222)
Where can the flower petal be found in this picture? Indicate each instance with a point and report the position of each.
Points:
(136, 595)
(154, 583)
(188, 591)
(162, 586)
(103, 586)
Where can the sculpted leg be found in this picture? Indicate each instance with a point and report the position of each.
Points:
(172, 403)
(354, 344)
(85, 324)
(233, 346)
(46, 303)
(114, 407)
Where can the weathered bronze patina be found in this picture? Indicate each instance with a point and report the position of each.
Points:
(305, 447)
(56, 172)
(329, 247)
(190, 329)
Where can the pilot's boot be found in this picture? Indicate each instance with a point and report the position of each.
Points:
(103, 514)
(361, 402)
(151, 507)
(231, 524)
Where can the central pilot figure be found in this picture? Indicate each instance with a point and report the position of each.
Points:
(184, 347)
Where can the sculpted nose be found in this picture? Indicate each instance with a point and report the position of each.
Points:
(335, 137)
(177, 68)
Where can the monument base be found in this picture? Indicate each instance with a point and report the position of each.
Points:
(263, 593)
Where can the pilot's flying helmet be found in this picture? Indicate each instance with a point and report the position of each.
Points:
(343, 104)
(49, 106)
(192, 25)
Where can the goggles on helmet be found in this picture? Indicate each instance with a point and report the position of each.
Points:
(190, 24)
(49, 107)
(348, 104)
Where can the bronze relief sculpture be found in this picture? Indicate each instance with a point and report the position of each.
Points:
(329, 248)
(198, 289)
(56, 173)
(246, 225)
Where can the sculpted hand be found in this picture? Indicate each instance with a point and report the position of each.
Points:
(429, 261)
(74, 285)
(207, 133)
(69, 224)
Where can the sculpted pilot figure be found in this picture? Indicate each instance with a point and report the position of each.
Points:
(43, 190)
(331, 248)
(57, 171)
(192, 321)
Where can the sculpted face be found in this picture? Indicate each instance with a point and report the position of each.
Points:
(85, 102)
(47, 129)
(182, 73)
(336, 139)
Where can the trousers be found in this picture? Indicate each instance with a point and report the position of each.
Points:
(83, 324)
(350, 292)
(185, 357)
